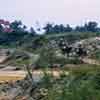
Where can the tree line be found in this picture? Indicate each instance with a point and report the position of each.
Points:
(13, 32)
(19, 27)
(91, 26)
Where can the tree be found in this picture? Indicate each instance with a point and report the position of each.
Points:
(92, 26)
(62, 28)
(68, 28)
(57, 29)
(32, 31)
(16, 26)
(48, 28)
(80, 29)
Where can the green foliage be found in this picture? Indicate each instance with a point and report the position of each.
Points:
(87, 27)
(80, 84)
(49, 58)
(96, 55)
(73, 87)
(46, 57)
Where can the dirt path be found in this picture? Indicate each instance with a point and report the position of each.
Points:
(90, 61)
(7, 76)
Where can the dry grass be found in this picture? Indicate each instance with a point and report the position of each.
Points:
(6, 76)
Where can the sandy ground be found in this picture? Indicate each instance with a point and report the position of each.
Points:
(8, 76)
(12, 76)
(91, 61)
(3, 58)
(9, 98)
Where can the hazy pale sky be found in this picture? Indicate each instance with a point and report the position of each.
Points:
(58, 11)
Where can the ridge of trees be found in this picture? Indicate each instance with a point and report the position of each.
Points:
(91, 26)
(17, 32)
(19, 27)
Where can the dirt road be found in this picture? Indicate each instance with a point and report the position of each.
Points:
(7, 76)
(90, 61)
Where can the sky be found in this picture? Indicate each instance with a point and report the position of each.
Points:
(33, 12)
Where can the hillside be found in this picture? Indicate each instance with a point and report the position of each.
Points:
(29, 71)
(33, 51)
